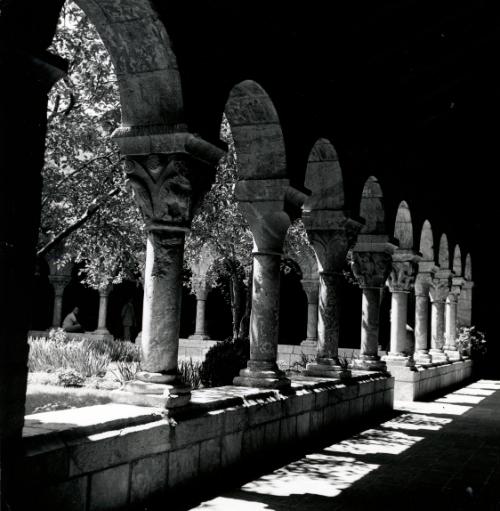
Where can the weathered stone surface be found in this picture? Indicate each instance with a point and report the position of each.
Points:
(231, 449)
(109, 489)
(183, 465)
(210, 456)
(69, 495)
(148, 478)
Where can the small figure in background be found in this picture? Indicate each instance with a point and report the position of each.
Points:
(128, 319)
(71, 322)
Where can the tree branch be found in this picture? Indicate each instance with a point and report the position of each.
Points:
(92, 209)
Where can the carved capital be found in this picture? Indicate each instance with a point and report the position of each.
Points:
(200, 287)
(371, 269)
(311, 289)
(440, 289)
(422, 284)
(402, 276)
(163, 189)
(59, 282)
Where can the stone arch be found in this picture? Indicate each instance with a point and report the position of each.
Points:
(457, 261)
(468, 268)
(372, 207)
(444, 253)
(403, 227)
(427, 242)
(257, 134)
(145, 65)
(324, 178)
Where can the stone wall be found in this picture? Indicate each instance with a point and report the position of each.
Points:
(110, 456)
(420, 381)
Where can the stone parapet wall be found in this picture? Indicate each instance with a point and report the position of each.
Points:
(418, 382)
(111, 456)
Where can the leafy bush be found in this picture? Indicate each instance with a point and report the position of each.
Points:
(58, 335)
(123, 351)
(70, 378)
(472, 342)
(126, 370)
(224, 361)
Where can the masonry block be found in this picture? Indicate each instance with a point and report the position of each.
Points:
(303, 425)
(109, 488)
(301, 402)
(235, 419)
(183, 465)
(253, 440)
(149, 478)
(210, 456)
(190, 431)
(231, 449)
(70, 495)
(330, 415)
(316, 421)
(268, 410)
(288, 430)
(272, 434)
(367, 387)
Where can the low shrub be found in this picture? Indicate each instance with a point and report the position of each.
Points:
(70, 378)
(224, 361)
(125, 370)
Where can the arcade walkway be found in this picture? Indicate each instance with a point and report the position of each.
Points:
(443, 454)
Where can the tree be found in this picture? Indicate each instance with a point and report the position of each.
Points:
(85, 201)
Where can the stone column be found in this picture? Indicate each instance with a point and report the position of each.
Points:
(59, 283)
(464, 312)
(103, 311)
(451, 308)
(201, 290)
(439, 290)
(371, 264)
(311, 288)
(331, 234)
(167, 185)
(422, 286)
(263, 203)
(400, 283)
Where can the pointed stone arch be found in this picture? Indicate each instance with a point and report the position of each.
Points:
(403, 227)
(444, 253)
(427, 242)
(372, 207)
(468, 268)
(145, 64)
(324, 178)
(257, 134)
(457, 261)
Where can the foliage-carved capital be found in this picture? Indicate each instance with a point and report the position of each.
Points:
(165, 187)
(371, 269)
(439, 289)
(402, 276)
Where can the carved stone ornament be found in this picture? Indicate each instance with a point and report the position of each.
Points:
(422, 284)
(402, 276)
(439, 289)
(162, 188)
(371, 269)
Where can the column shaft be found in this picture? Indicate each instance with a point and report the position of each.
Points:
(312, 321)
(328, 318)
(370, 310)
(57, 316)
(421, 324)
(437, 325)
(399, 316)
(162, 302)
(264, 318)
(103, 312)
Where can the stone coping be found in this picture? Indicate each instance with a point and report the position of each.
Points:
(82, 422)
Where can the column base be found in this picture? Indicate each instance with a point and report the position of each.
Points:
(452, 353)
(398, 360)
(422, 358)
(199, 337)
(368, 363)
(266, 379)
(310, 343)
(438, 356)
(325, 367)
(158, 395)
(104, 333)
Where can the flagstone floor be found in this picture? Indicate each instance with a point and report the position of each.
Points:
(443, 454)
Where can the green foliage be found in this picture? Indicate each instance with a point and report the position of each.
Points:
(123, 351)
(70, 378)
(224, 361)
(472, 342)
(83, 165)
(190, 372)
(126, 370)
(58, 335)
